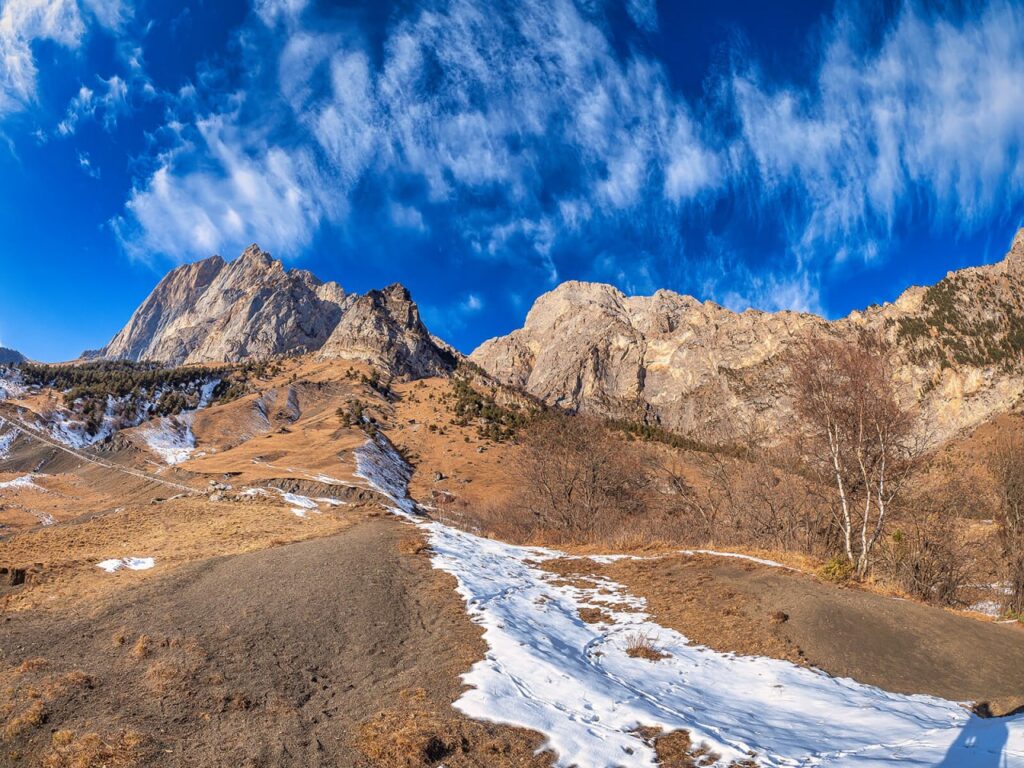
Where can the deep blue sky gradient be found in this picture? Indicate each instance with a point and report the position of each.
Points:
(76, 258)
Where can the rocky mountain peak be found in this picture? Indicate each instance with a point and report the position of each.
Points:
(252, 307)
(1015, 257)
(700, 369)
(383, 327)
(10, 356)
(212, 310)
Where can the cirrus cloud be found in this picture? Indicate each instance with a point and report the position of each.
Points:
(521, 128)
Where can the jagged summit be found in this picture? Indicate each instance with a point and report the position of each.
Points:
(384, 328)
(252, 307)
(213, 310)
(698, 368)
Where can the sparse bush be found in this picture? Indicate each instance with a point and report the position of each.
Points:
(1007, 468)
(640, 645)
(837, 569)
(493, 422)
(576, 480)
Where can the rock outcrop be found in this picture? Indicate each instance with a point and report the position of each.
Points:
(215, 311)
(700, 369)
(384, 328)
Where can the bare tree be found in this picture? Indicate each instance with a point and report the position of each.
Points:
(576, 477)
(927, 554)
(1007, 468)
(858, 436)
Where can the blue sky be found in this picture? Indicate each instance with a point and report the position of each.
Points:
(818, 157)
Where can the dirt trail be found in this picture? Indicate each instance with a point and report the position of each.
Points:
(275, 658)
(88, 458)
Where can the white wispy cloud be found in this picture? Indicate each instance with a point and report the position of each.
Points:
(525, 128)
(451, 318)
(107, 106)
(85, 163)
(472, 102)
(24, 22)
(274, 193)
(932, 121)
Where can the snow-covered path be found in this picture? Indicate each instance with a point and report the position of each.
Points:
(549, 671)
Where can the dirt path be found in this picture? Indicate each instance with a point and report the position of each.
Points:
(340, 651)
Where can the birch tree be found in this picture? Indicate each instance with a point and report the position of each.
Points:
(857, 436)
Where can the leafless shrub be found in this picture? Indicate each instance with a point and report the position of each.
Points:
(1007, 468)
(925, 555)
(640, 645)
(577, 479)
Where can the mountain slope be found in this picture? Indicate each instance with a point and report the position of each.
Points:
(215, 311)
(384, 328)
(699, 368)
(8, 356)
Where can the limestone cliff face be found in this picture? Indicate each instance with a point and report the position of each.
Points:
(700, 369)
(217, 311)
(384, 328)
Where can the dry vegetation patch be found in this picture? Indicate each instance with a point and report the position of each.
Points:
(677, 750)
(69, 749)
(640, 645)
(416, 734)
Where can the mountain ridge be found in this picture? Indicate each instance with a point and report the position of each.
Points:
(218, 311)
(697, 367)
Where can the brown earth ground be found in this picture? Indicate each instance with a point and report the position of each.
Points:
(262, 638)
(344, 650)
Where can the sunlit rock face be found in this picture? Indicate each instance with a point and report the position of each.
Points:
(700, 369)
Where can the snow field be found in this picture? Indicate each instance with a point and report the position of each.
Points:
(547, 670)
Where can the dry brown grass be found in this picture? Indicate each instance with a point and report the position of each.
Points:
(640, 645)
(31, 716)
(594, 615)
(161, 676)
(32, 665)
(143, 646)
(69, 749)
(417, 733)
(676, 750)
(175, 532)
(414, 545)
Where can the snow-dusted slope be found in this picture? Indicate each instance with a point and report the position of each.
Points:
(170, 437)
(549, 671)
(8, 434)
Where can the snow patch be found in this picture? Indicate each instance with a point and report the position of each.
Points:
(303, 502)
(25, 482)
(549, 671)
(379, 464)
(131, 563)
(10, 384)
(171, 437)
(7, 439)
(987, 608)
